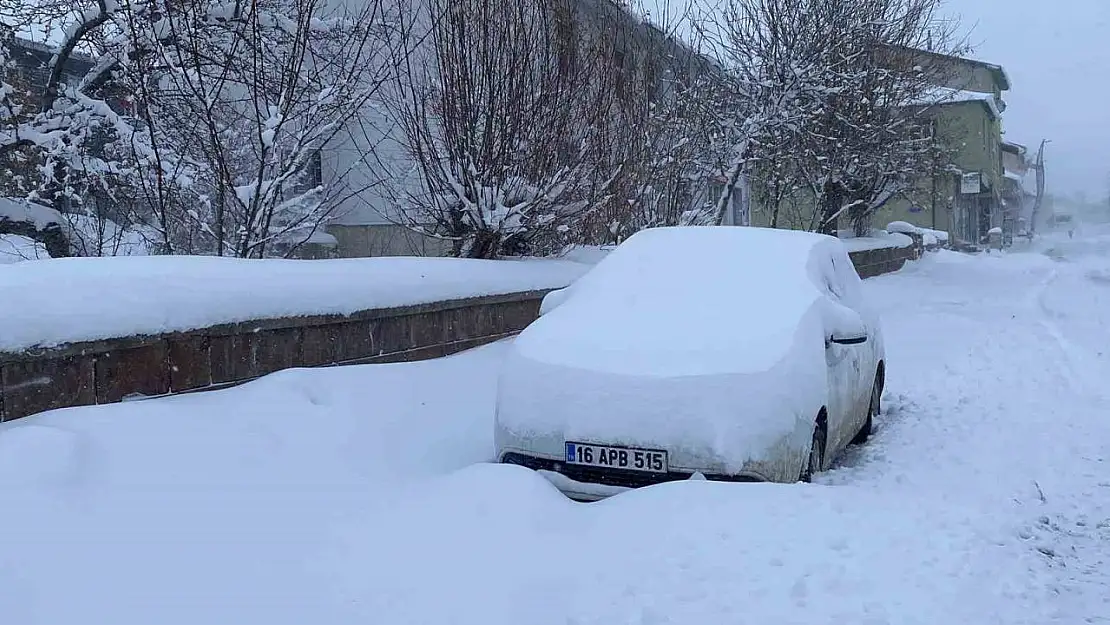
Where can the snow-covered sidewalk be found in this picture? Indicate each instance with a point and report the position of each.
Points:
(360, 494)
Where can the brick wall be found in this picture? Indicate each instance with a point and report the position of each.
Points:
(108, 371)
(871, 263)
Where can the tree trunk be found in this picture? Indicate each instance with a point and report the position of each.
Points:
(832, 199)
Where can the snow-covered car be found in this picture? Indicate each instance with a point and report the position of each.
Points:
(724, 353)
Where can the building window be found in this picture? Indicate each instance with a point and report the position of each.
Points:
(313, 175)
(621, 67)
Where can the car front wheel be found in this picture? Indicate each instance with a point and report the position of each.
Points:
(872, 410)
(816, 456)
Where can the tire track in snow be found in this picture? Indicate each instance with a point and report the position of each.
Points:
(992, 396)
(1078, 381)
(1073, 530)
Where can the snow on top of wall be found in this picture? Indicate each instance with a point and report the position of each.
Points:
(930, 237)
(24, 211)
(84, 299)
(15, 249)
(902, 227)
(879, 239)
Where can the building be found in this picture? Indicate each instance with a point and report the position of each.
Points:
(961, 191)
(29, 73)
(368, 223)
(1018, 190)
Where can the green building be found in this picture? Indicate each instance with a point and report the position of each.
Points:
(960, 189)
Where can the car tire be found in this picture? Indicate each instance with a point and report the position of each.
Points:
(816, 458)
(872, 410)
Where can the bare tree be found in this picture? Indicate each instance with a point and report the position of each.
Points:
(501, 110)
(656, 129)
(241, 99)
(771, 85)
(825, 86)
(203, 119)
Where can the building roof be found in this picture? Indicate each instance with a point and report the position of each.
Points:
(941, 96)
(35, 46)
(999, 72)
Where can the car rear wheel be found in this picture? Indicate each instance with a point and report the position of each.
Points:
(816, 456)
(872, 410)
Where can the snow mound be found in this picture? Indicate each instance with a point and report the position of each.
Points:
(15, 248)
(753, 553)
(23, 211)
(902, 227)
(877, 240)
(126, 296)
(929, 236)
(36, 456)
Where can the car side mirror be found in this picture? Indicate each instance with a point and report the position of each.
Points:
(552, 300)
(844, 326)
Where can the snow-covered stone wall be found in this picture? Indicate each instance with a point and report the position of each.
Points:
(118, 369)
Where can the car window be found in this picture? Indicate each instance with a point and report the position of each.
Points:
(831, 280)
(849, 290)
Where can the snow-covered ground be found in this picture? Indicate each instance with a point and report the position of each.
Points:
(361, 495)
(16, 249)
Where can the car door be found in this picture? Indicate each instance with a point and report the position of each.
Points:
(847, 364)
(852, 296)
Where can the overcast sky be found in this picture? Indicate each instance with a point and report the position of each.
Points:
(1057, 53)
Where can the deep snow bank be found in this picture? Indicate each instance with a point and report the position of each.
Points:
(215, 508)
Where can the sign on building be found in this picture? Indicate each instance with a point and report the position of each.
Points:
(971, 183)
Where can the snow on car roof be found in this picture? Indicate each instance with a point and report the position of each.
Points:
(687, 301)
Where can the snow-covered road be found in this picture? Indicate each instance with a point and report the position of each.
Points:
(361, 495)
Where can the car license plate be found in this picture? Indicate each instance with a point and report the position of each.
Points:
(648, 460)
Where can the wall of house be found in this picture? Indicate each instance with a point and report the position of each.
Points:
(795, 211)
(976, 136)
(917, 207)
(973, 78)
(1014, 162)
(964, 74)
(358, 241)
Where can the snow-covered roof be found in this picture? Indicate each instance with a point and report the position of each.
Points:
(1000, 75)
(938, 96)
(38, 46)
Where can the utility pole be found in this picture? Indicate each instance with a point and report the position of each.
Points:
(1039, 166)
